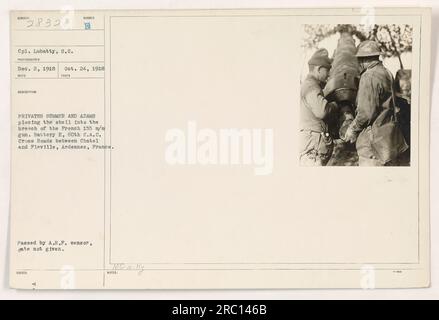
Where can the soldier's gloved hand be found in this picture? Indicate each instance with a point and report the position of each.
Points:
(350, 136)
(332, 107)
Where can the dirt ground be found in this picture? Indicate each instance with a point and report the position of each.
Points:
(344, 155)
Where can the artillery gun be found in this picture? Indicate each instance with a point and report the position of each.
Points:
(342, 87)
(343, 82)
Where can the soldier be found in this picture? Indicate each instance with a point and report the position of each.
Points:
(403, 92)
(316, 143)
(375, 89)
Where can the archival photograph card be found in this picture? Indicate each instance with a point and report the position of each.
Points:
(220, 149)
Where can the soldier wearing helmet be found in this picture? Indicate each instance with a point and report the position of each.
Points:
(316, 143)
(375, 89)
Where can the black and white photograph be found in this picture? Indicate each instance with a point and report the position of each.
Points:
(169, 151)
(355, 99)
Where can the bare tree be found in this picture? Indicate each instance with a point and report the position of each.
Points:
(393, 39)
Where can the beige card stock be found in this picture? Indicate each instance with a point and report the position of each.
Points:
(160, 149)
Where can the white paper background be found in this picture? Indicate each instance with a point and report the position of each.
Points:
(6, 293)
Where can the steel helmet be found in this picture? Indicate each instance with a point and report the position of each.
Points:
(368, 48)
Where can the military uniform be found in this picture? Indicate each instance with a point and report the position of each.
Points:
(403, 101)
(316, 143)
(375, 89)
